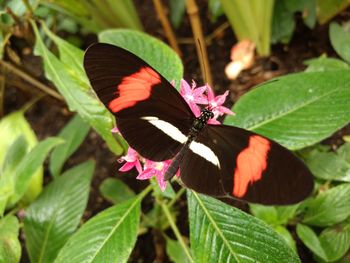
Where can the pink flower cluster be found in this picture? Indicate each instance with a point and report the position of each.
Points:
(194, 96)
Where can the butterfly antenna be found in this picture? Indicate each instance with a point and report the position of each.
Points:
(204, 67)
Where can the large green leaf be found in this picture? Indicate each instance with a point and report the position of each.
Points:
(153, 51)
(329, 207)
(29, 165)
(297, 110)
(108, 237)
(73, 134)
(10, 247)
(340, 39)
(55, 215)
(222, 233)
(12, 126)
(75, 89)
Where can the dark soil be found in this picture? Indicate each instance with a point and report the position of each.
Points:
(49, 115)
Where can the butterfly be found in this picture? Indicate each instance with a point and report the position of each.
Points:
(217, 160)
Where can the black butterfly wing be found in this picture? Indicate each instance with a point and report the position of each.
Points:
(151, 115)
(251, 167)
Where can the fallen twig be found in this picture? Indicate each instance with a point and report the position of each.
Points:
(31, 80)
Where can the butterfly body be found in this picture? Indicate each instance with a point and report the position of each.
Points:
(218, 160)
(198, 125)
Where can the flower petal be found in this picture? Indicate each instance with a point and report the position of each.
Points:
(185, 88)
(126, 167)
(161, 182)
(146, 174)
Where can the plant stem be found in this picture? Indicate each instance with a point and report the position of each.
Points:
(166, 25)
(192, 11)
(28, 7)
(31, 80)
(177, 196)
(176, 231)
(145, 191)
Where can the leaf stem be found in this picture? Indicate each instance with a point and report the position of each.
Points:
(176, 231)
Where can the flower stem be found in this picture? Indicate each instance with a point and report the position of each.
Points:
(176, 231)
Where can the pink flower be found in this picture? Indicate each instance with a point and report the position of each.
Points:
(132, 160)
(215, 104)
(193, 96)
(157, 169)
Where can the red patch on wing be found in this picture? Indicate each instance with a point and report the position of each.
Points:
(250, 164)
(134, 88)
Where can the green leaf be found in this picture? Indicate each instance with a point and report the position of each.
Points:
(177, 12)
(286, 235)
(73, 134)
(222, 233)
(107, 237)
(13, 157)
(331, 244)
(310, 239)
(75, 89)
(327, 165)
(323, 63)
(274, 215)
(340, 39)
(215, 9)
(344, 151)
(31, 163)
(175, 251)
(55, 215)
(71, 56)
(283, 23)
(10, 247)
(15, 154)
(18, 8)
(115, 191)
(12, 126)
(329, 207)
(326, 9)
(153, 51)
(335, 241)
(297, 110)
(251, 20)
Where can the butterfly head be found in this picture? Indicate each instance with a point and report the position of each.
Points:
(206, 114)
